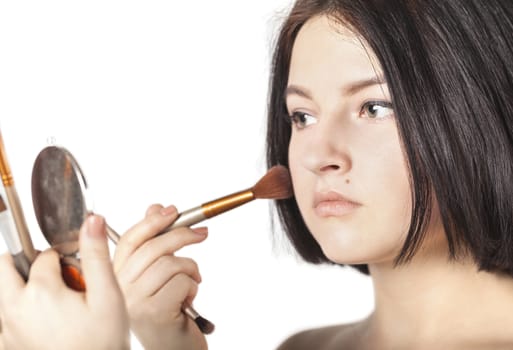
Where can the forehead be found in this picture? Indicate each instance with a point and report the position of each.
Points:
(324, 45)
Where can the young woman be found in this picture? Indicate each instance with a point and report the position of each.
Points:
(396, 121)
(401, 143)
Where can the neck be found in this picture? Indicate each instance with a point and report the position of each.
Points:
(433, 298)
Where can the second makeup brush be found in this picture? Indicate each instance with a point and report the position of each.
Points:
(12, 240)
(15, 205)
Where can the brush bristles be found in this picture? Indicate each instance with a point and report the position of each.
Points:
(204, 325)
(276, 184)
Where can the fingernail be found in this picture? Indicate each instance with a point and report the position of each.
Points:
(168, 210)
(201, 230)
(95, 226)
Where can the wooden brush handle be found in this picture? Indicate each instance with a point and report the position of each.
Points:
(22, 264)
(20, 223)
(210, 209)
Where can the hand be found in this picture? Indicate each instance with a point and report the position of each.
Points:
(156, 283)
(46, 314)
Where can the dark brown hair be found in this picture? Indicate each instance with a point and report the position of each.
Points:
(448, 66)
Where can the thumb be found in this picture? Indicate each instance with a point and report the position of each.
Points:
(95, 260)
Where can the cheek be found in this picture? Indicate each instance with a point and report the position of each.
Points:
(392, 183)
(294, 151)
(389, 201)
(294, 157)
(302, 179)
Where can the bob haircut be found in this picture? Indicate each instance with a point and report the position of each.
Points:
(449, 68)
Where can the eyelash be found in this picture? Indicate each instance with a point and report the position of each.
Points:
(381, 105)
(301, 119)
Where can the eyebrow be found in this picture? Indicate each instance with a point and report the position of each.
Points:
(349, 89)
(359, 85)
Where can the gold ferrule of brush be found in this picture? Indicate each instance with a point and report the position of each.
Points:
(226, 203)
(14, 203)
(5, 170)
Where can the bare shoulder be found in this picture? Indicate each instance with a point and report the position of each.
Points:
(325, 338)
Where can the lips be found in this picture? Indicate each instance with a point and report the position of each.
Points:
(333, 204)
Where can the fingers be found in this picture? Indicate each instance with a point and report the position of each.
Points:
(10, 280)
(159, 274)
(101, 284)
(157, 218)
(154, 208)
(159, 246)
(165, 305)
(179, 290)
(46, 271)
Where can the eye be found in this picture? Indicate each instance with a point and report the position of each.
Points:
(376, 110)
(301, 120)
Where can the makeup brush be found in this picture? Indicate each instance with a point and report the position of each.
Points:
(275, 184)
(205, 326)
(12, 240)
(15, 205)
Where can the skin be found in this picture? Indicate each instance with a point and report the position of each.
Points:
(156, 283)
(44, 313)
(339, 146)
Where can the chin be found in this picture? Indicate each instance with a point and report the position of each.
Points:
(344, 256)
(357, 254)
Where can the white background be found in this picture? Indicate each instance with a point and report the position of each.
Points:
(164, 102)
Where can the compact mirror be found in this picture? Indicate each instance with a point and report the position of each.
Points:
(61, 199)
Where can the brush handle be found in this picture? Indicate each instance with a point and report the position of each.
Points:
(112, 234)
(211, 209)
(12, 240)
(22, 264)
(187, 218)
(205, 326)
(186, 308)
(19, 221)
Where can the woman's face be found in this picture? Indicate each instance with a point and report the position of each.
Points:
(348, 170)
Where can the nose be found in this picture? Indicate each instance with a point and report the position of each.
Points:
(325, 150)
